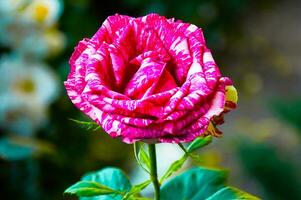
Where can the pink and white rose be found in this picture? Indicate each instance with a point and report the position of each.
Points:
(148, 78)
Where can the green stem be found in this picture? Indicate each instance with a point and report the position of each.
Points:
(182, 147)
(153, 170)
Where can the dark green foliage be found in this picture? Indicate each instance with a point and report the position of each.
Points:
(202, 183)
(288, 110)
(274, 172)
(106, 184)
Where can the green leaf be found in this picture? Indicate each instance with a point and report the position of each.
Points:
(111, 178)
(199, 143)
(89, 188)
(141, 156)
(136, 189)
(198, 159)
(202, 183)
(144, 158)
(231, 193)
(175, 166)
(88, 125)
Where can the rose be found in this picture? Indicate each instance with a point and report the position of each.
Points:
(149, 78)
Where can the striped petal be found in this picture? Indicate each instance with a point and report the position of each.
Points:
(149, 78)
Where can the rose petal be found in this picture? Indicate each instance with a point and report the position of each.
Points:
(149, 78)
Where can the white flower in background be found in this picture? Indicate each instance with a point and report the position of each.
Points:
(27, 22)
(50, 42)
(45, 12)
(47, 42)
(12, 33)
(34, 12)
(9, 7)
(26, 90)
(55, 41)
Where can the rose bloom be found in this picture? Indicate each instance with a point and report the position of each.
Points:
(151, 79)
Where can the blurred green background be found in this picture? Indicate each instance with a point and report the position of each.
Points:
(256, 43)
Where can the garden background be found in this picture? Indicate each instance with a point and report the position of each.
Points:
(256, 43)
